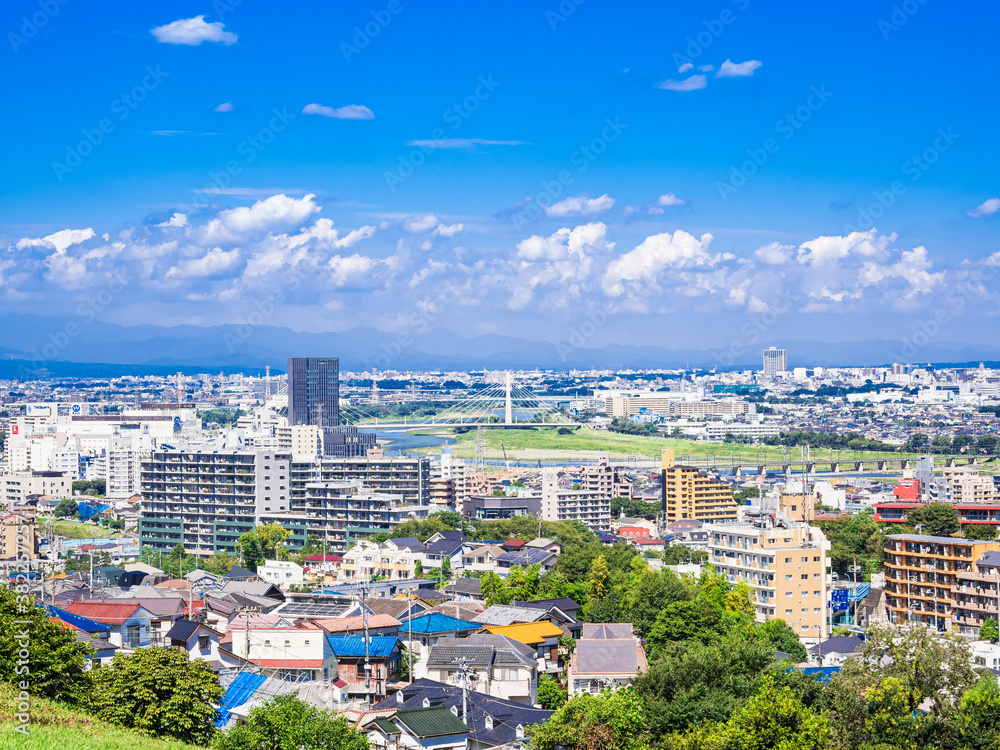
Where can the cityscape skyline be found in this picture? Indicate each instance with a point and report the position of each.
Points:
(646, 193)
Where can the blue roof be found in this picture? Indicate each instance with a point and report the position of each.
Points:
(436, 622)
(526, 556)
(823, 674)
(354, 645)
(77, 621)
(238, 693)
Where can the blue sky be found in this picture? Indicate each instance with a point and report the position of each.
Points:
(830, 170)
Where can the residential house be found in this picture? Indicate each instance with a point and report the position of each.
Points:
(421, 632)
(377, 624)
(433, 728)
(492, 722)
(130, 622)
(446, 544)
(200, 642)
(367, 560)
(482, 559)
(352, 652)
(301, 653)
(282, 573)
(465, 589)
(525, 558)
(834, 651)
(511, 614)
(324, 568)
(542, 636)
(498, 666)
(91, 632)
(549, 545)
(606, 655)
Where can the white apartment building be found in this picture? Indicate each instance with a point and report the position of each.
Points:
(590, 507)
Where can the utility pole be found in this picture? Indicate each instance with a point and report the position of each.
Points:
(463, 666)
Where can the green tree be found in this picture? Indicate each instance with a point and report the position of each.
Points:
(774, 718)
(551, 696)
(984, 532)
(67, 508)
(978, 725)
(55, 663)
(599, 578)
(989, 631)
(288, 723)
(157, 692)
(697, 620)
(263, 543)
(783, 638)
(934, 519)
(739, 600)
(612, 720)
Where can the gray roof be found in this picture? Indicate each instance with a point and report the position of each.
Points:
(991, 558)
(253, 588)
(607, 656)
(502, 614)
(934, 539)
(394, 607)
(482, 650)
(839, 644)
(607, 631)
(464, 586)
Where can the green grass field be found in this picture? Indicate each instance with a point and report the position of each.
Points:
(585, 442)
(79, 530)
(55, 727)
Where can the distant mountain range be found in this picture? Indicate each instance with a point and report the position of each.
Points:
(55, 346)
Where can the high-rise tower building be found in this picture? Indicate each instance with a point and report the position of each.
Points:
(314, 399)
(314, 391)
(775, 361)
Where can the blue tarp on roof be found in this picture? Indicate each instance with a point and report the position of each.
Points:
(77, 621)
(823, 674)
(436, 622)
(238, 693)
(354, 645)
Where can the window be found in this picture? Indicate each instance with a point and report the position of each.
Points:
(788, 611)
(816, 559)
(788, 594)
(805, 576)
(805, 559)
(788, 577)
(816, 593)
(203, 641)
(805, 610)
(788, 559)
(815, 575)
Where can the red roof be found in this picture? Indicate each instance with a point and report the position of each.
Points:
(291, 663)
(341, 624)
(323, 558)
(647, 541)
(514, 543)
(109, 613)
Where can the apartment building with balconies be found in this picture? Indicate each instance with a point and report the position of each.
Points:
(590, 507)
(786, 565)
(939, 582)
(694, 495)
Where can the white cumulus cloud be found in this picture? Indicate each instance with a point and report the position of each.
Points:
(987, 208)
(693, 83)
(279, 212)
(193, 31)
(729, 69)
(671, 200)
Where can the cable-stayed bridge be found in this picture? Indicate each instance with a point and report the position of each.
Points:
(499, 405)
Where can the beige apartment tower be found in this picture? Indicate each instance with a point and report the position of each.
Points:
(693, 495)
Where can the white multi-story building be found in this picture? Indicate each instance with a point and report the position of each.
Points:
(591, 507)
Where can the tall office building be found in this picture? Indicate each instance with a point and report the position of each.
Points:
(314, 391)
(775, 361)
(314, 399)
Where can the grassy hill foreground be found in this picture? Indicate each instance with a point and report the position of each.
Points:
(54, 727)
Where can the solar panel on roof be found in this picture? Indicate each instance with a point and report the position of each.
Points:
(306, 609)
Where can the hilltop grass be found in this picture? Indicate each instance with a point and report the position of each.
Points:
(546, 442)
(54, 725)
(80, 530)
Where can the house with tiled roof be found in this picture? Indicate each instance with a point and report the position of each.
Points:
(498, 666)
(492, 722)
(525, 558)
(129, 622)
(607, 654)
(378, 624)
(199, 641)
(88, 631)
(450, 544)
(421, 632)
(542, 636)
(352, 651)
(293, 653)
(419, 729)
